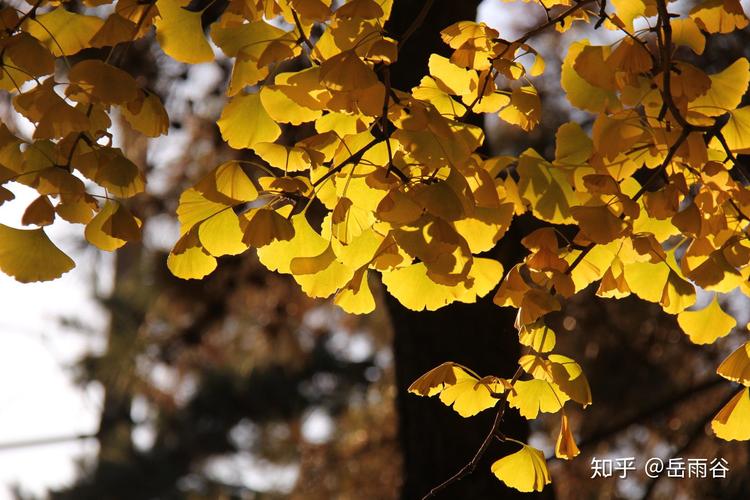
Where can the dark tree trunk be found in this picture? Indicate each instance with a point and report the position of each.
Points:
(436, 441)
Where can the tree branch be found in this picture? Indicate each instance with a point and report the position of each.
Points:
(414, 26)
(384, 128)
(667, 160)
(557, 19)
(648, 413)
(469, 467)
(302, 37)
(26, 443)
(353, 158)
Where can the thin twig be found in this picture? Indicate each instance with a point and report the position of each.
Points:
(26, 443)
(414, 26)
(469, 468)
(557, 19)
(385, 130)
(667, 160)
(353, 158)
(723, 141)
(302, 37)
(30, 14)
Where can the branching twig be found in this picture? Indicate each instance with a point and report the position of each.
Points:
(667, 160)
(469, 468)
(557, 19)
(30, 14)
(353, 158)
(302, 37)
(723, 141)
(385, 130)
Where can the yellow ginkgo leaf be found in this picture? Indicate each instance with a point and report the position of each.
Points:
(568, 376)
(244, 122)
(29, 255)
(460, 388)
(429, 91)
(591, 65)
(320, 274)
(314, 10)
(221, 234)
(180, 32)
(572, 145)
(6, 194)
(525, 108)
(546, 188)
(434, 381)
(726, 91)
(146, 114)
(532, 396)
(264, 226)
(40, 212)
(283, 109)
(687, 32)
(538, 336)
(485, 227)
(524, 470)
(103, 82)
(469, 395)
(566, 447)
(116, 29)
(288, 159)
(719, 16)
(346, 71)
(733, 420)
(737, 130)
(581, 93)
(359, 9)
(228, 180)
(194, 208)
(348, 221)
(63, 32)
(356, 297)
(660, 283)
(25, 58)
(415, 289)
(451, 78)
(598, 223)
(113, 171)
(362, 250)
(342, 123)
(628, 10)
(312, 264)
(112, 227)
(233, 38)
(737, 365)
(612, 135)
(76, 208)
(193, 263)
(706, 325)
(278, 255)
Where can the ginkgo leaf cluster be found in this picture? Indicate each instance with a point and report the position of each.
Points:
(391, 184)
